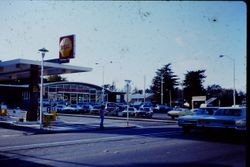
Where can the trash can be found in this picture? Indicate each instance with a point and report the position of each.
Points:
(3, 112)
(47, 117)
(54, 114)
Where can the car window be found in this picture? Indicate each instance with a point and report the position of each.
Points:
(205, 111)
(228, 112)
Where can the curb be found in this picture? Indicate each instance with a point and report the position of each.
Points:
(45, 131)
(53, 131)
(119, 118)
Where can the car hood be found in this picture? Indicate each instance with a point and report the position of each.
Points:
(225, 118)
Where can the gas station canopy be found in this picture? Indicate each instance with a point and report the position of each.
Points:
(20, 69)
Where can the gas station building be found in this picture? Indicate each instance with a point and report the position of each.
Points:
(20, 79)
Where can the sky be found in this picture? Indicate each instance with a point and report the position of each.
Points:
(138, 37)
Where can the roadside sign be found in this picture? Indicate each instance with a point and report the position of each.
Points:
(67, 47)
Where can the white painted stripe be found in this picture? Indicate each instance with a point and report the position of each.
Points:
(10, 135)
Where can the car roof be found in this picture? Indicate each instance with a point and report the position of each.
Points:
(233, 107)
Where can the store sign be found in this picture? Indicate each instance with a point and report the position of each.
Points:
(67, 47)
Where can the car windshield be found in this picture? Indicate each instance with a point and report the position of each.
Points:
(228, 112)
(205, 111)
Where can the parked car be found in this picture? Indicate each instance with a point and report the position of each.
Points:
(73, 108)
(177, 112)
(146, 105)
(122, 106)
(162, 108)
(144, 112)
(130, 110)
(95, 110)
(60, 107)
(86, 108)
(111, 109)
(189, 122)
(233, 118)
(137, 105)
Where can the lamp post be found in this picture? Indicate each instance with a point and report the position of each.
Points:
(43, 51)
(233, 60)
(127, 85)
(103, 79)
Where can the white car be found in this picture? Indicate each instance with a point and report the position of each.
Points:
(72, 108)
(130, 110)
(145, 112)
(176, 112)
(226, 118)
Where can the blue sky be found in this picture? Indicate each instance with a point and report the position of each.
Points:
(139, 37)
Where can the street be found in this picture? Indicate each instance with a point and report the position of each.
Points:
(150, 143)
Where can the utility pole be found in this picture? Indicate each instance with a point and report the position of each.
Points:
(127, 85)
(234, 91)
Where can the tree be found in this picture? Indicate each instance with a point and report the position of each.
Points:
(214, 91)
(225, 96)
(55, 78)
(193, 84)
(110, 87)
(169, 83)
(137, 91)
(148, 91)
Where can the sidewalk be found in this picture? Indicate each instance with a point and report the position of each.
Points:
(61, 126)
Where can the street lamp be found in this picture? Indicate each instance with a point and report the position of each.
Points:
(103, 79)
(233, 60)
(127, 84)
(43, 51)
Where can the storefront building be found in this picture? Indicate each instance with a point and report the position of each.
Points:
(59, 92)
(77, 93)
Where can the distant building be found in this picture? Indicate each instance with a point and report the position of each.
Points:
(135, 98)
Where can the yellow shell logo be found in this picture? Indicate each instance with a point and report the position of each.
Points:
(65, 47)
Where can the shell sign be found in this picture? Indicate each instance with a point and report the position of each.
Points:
(67, 47)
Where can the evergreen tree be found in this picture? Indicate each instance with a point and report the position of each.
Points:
(55, 78)
(193, 85)
(164, 81)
